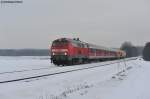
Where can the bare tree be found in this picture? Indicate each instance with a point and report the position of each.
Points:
(131, 50)
(128, 48)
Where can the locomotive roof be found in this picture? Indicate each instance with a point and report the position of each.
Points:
(90, 45)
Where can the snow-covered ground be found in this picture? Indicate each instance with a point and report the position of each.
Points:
(17, 63)
(105, 82)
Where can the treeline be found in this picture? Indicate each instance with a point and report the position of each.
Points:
(24, 52)
(146, 52)
(131, 50)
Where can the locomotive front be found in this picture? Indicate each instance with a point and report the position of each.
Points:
(60, 51)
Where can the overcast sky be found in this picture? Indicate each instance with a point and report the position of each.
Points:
(36, 23)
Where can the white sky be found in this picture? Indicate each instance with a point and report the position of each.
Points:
(36, 23)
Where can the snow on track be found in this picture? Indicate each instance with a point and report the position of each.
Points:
(36, 73)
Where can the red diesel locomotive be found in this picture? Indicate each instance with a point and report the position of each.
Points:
(65, 51)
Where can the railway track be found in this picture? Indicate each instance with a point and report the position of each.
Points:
(60, 72)
(24, 70)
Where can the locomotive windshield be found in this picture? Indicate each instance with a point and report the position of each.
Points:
(60, 42)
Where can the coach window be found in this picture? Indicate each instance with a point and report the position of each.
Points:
(103, 51)
(98, 51)
(93, 50)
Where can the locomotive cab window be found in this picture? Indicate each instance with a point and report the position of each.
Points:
(60, 42)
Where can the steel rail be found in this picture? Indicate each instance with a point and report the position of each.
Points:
(23, 70)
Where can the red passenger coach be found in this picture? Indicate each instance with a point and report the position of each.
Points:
(65, 51)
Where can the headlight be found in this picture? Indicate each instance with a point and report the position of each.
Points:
(53, 53)
(65, 53)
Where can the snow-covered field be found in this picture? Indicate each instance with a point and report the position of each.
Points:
(23, 63)
(105, 82)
